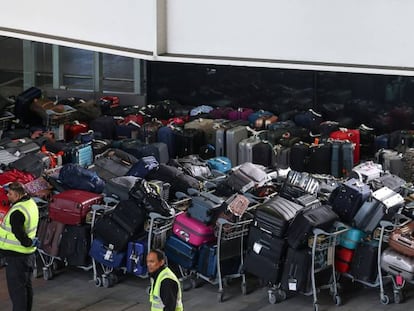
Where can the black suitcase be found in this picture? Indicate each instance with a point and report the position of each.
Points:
(130, 216)
(305, 221)
(299, 157)
(274, 215)
(110, 232)
(265, 255)
(103, 127)
(296, 274)
(189, 141)
(348, 198)
(320, 159)
(75, 245)
(364, 265)
(262, 154)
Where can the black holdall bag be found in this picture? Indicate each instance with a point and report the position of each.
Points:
(147, 195)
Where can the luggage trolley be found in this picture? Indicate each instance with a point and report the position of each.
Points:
(322, 244)
(228, 233)
(157, 228)
(398, 282)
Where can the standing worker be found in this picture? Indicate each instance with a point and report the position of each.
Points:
(165, 294)
(18, 244)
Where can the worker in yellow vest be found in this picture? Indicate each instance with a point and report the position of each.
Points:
(165, 293)
(18, 243)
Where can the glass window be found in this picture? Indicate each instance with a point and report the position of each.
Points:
(11, 66)
(44, 64)
(77, 67)
(118, 73)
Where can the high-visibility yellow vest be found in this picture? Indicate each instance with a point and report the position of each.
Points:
(155, 299)
(8, 240)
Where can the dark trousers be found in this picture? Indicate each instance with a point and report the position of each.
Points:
(19, 271)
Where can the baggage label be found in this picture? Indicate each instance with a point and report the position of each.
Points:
(257, 247)
(292, 284)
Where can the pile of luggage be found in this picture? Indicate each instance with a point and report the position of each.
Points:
(215, 175)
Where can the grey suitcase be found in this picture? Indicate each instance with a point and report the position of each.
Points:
(205, 207)
(245, 149)
(398, 264)
(220, 134)
(7, 157)
(119, 187)
(281, 156)
(233, 137)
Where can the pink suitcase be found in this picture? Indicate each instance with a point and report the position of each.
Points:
(192, 230)
(71, 206)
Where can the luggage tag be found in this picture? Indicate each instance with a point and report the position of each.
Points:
(399, 280)
(292, 284)
(257, 247)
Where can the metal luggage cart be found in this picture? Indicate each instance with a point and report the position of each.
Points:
(322, 244)
(398, 283)
(157, 228)
(381, 235)
(325, 251)
(226, 233)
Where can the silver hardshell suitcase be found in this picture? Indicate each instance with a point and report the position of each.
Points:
(245, 149)
(233, 137)
(398, 264)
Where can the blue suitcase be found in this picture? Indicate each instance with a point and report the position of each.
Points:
(342, 159)
(207, 262)
(222, 164)
(83, 155)
(181, 253)
(351, 238)
(166, 135)
(106, 255)
(136, 258)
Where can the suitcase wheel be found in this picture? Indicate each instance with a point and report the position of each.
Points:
(385, 300)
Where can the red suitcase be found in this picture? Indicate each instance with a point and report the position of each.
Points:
(343, 259)
(192, 230)
(71, 206)
(4, 204)
(72, 130)
(351, 135)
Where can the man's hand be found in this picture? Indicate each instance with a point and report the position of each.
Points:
(36, 242)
